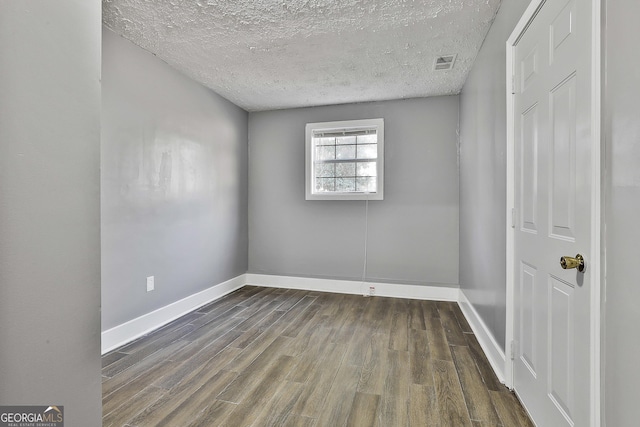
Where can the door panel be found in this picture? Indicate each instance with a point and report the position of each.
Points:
(561, 31)
(563, 159)
(561, 316)
(552, 131)
(527, 319)
(529, 68)
(529, 169)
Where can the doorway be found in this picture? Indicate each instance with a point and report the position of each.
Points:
(553, 308)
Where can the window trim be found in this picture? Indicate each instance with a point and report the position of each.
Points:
(378, 124)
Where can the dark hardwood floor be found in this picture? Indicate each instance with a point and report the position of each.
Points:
(275, 357)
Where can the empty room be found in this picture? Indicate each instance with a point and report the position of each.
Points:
(318, 213)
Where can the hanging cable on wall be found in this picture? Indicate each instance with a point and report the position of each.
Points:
(366, 292)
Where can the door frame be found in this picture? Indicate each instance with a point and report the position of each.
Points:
(596, 202)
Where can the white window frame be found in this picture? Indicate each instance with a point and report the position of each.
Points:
(311, 128)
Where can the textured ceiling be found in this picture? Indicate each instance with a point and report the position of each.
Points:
(271, 54)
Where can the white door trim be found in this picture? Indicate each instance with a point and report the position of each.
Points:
(596, 207)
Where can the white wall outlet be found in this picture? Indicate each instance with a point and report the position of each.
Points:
(151, 283)
(372, 291)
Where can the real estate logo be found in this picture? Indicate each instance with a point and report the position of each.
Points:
(32, 416)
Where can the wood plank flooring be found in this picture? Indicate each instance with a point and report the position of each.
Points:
(275, 357)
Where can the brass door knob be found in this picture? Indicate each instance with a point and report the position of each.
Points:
(568, 262)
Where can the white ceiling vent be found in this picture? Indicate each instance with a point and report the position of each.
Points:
(444, 62)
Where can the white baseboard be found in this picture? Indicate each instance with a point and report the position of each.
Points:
(489, 345)
(127, 332)
(424, 292)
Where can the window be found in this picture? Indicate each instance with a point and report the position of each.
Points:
(345, 160)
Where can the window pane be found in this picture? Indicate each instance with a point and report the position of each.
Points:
(326, 153)
(325, 141)
(368, 151)
(345, 185)
(366, 184)
(326, 170)
(346, 170)
(346, 140)
(368, 139)
(325, 184)
(346, 152)
(367, 169)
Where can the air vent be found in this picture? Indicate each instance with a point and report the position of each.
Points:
(444, 62)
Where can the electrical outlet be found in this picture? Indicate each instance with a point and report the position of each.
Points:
(372, 291)
(151, 283)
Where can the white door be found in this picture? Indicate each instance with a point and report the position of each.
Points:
(553, 175)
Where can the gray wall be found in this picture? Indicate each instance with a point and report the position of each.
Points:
(413, 232)
(50, 206)
(622, 210)
(174, 184)
(483, 145)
